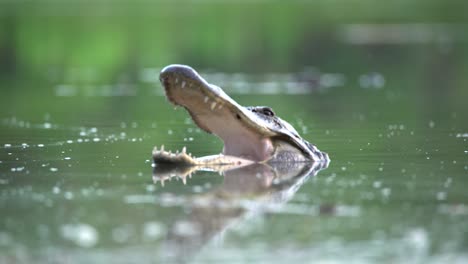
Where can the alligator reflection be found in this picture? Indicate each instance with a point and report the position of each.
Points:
(246, 190)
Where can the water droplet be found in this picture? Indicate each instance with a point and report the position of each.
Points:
(56, 190)
(441, 196)
(83, 235)
(153, 230)
(186, 228)
(150, 188)
(68, 195)
(386, 192)
(53, 169)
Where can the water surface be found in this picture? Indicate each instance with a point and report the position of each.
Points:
(76, 181)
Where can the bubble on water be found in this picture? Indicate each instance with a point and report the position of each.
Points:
(24, 145)
(197, 189)
(372, 80)
(186, 228)
(169, 132)
(377, 184)
(53, 169)
(386, 192)
(40, 145)
(418, 239)
(67, 158)
(150, 188)
(96, 139)
(431, 124)
(93, 130)
(343, 168)
(47, 125)
(68, 195)
(69, 141)
(83, 235)
(441, 196)
(82, 133)
(448, 182)
(56, 190)
(7, 145)
(153, 230)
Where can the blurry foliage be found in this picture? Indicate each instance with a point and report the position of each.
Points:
(44, 42)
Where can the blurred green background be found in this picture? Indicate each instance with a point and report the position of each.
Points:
(115, 37)
(419, 47)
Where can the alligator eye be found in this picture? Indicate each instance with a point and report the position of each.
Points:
(267, 111)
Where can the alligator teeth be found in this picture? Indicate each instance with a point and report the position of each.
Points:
(162, 148)
(213, 105)
(176, 80)
(206, 99)
(184, 149)
(183, 84)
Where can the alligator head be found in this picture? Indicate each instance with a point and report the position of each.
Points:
(250, 134)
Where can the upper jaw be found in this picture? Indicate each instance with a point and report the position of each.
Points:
(244, 133)
(215, 112)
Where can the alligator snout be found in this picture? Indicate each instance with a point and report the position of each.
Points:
(178, 72)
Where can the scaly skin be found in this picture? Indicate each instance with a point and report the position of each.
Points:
(250, 134)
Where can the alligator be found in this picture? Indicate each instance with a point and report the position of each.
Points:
(253, 134)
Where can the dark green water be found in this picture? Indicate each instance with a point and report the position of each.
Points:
(76, 181)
